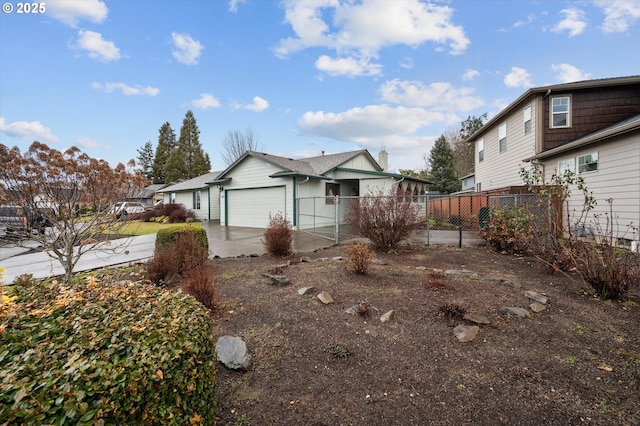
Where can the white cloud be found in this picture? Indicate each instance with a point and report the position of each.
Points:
(439, 96)
(205, 101)
(359, 30)
(32, 130)
(233, 5)
(518, 77)
(126, 89)
(350, 67)
(566, 73)
(407, 63)
(574, 21)
(470, 74)
(373, 121)
(87, 143)
(97, 47)
(258, 105)
(70, 12)
(186, 50)
(619, 14)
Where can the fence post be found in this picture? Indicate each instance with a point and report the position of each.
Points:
(336, 232)
(428, 205)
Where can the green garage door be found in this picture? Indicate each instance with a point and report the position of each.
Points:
(251, 207)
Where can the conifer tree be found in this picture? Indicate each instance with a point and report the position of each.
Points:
(145, 160)
(441, 170)
(189, 160)
(166, 145)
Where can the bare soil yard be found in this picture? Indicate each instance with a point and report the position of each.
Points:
(577, 362)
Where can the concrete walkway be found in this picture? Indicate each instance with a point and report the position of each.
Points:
(41, 266)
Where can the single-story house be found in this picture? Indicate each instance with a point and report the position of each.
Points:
(259, 185)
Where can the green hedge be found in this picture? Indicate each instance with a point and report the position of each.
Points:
(167, 236)
(118, 353)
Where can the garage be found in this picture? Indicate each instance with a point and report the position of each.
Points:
(251, 207)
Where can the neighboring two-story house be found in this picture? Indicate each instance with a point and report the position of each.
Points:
(589, 127)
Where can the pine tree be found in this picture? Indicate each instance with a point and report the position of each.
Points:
(145, 160)
(189, 160)
(444, 176)
(166, 145)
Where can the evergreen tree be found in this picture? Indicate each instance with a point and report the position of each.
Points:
(444, 176)
(166, 145)
(189, 160)
(145, 160)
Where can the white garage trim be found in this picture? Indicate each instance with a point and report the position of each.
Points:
(251, 207)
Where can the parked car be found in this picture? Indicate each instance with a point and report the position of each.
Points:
(17, 221)
(126, 208)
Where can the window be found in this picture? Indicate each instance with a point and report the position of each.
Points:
(526, 117)
(502, 137)
(564, 166)
(560, 112)
(588, 163)
(332, 190)
(196, 200)
(481, 150)
(172, 198)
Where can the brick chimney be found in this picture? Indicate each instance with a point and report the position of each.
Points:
(383, 159)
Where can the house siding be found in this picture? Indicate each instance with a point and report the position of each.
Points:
(500, 169)
(252, 173)
(617, 178)
(186, 199)
(591, 110)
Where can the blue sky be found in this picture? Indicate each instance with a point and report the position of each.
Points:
(305, 76)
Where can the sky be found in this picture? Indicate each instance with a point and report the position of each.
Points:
(304, 76)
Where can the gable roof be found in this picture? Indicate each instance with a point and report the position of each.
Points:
(200, 182)
(315, 167)
(547, 90)
(620, 128)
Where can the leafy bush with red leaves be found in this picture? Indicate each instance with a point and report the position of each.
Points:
(175, 254)
(200, 283)
(278, 237)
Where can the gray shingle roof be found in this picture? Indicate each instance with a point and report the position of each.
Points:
(199, 182)
(312, 166)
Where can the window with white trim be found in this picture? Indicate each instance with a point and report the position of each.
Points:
(566, 166)
(196, 200)
(502, 137)
(481, 150)
(526, 118)
(560, 112)
(588, 162)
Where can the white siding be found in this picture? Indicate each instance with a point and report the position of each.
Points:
(214, 202)
(186, 199)
(502, 169)
(617, 178)
(253, 173)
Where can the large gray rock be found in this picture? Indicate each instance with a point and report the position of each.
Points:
(232, 352)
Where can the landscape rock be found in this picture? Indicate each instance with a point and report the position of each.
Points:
(232, 352)
(388, 316)
(377, 261)
(336, 258)
(304, 259)
(537, 297)
(461, 273)
(305, 290)
(513, 284)
(477, 318)
(325, 298)
(537, 307)
(515, 311)
(466, 333)
(279, 280)
(352, 310)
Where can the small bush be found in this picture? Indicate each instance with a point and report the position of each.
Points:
(386, 219)
(199, 282)
(178, 250)
(338, 350)
(278, 237)
(359, 258)
(112, 353)
(452, 311)
(509, 229)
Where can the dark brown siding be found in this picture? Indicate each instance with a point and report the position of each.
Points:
(592, 110)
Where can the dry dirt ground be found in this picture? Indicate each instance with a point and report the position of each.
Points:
(578, 362)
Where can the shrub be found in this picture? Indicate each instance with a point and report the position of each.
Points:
(509, 229)
(359, 258)
(386, 219)
(177, 250)
(199, 282)
(278, 237)
(116, 353)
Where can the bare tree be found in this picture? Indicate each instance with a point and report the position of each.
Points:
(237, 143)
(66, 197)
